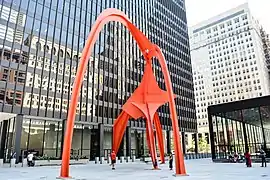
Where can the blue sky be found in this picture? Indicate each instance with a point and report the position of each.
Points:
(199, 10)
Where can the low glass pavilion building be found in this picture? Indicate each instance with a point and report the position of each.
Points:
(239, 126)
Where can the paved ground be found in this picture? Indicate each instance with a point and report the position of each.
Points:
(197, 170)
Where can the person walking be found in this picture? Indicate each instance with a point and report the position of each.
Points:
(248, 158)
(170, 161)
(113, 158)
(263, 156)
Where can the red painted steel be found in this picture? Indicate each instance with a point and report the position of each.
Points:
(159, 137)
(144, 102)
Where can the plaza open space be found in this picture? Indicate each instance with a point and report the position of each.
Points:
(203, 169)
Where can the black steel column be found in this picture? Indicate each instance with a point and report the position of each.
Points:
(3, 138)
(196, 143)
(227, 133)
(212, 137)
(63, 136)
(183, 142)
(142, 144)
(18, 132)
(245, 132)
(128, 141)
(100, 140)
(263, 133)
(137, 145)
(168, 137)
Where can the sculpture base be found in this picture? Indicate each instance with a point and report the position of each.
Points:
(64, 177)
(180, 175)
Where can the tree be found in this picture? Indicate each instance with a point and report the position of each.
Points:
(203, 145)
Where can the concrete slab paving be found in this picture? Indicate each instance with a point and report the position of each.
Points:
(203, 169)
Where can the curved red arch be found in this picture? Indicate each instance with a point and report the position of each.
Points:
(149, 50)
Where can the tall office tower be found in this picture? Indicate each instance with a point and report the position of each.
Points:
(228, 61)
(169, 30)
(39, 62)
(266, 47)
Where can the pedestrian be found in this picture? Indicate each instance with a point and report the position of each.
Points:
(263, 156)
(170, 161)
(236, 157)
(248, 158)
(30, 159)
(113, 158)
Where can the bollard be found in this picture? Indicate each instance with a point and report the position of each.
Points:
(127, 159)
(102, 160)
(1, 162)
(133, 158)
(96, 160)
(122, 159)
(24, 162)
(109, 161)
(13, 162)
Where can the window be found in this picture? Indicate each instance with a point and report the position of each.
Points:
(54, 51)
(221, 26)
(61, 53)
(38, 46)
(229, 23)
(244, 17)
(46, 48)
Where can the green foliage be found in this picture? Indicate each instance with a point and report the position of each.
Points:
(203, 146)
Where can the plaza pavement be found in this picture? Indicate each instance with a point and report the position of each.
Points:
(201, 169)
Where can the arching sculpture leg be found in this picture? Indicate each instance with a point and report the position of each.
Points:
(146, 48)
(151, 142)
(147, 135)
(179, 158)
(159, 137)
(119, 128)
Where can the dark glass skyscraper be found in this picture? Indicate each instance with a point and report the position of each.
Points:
(41, 42)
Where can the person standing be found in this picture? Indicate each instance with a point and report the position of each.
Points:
(170, 161)
(30, 159)
(263, 156)
(113, 158)
(248, 158)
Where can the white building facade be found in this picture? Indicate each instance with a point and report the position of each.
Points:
(228, 61)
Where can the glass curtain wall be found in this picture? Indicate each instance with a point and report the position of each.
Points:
(265, 114)
(45, 138)
(231, 128)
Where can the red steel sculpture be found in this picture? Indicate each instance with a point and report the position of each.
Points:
(144, 102)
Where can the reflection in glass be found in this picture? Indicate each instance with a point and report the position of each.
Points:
(76, 140)
(50, 138)
(36, 136)
(86, 141)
